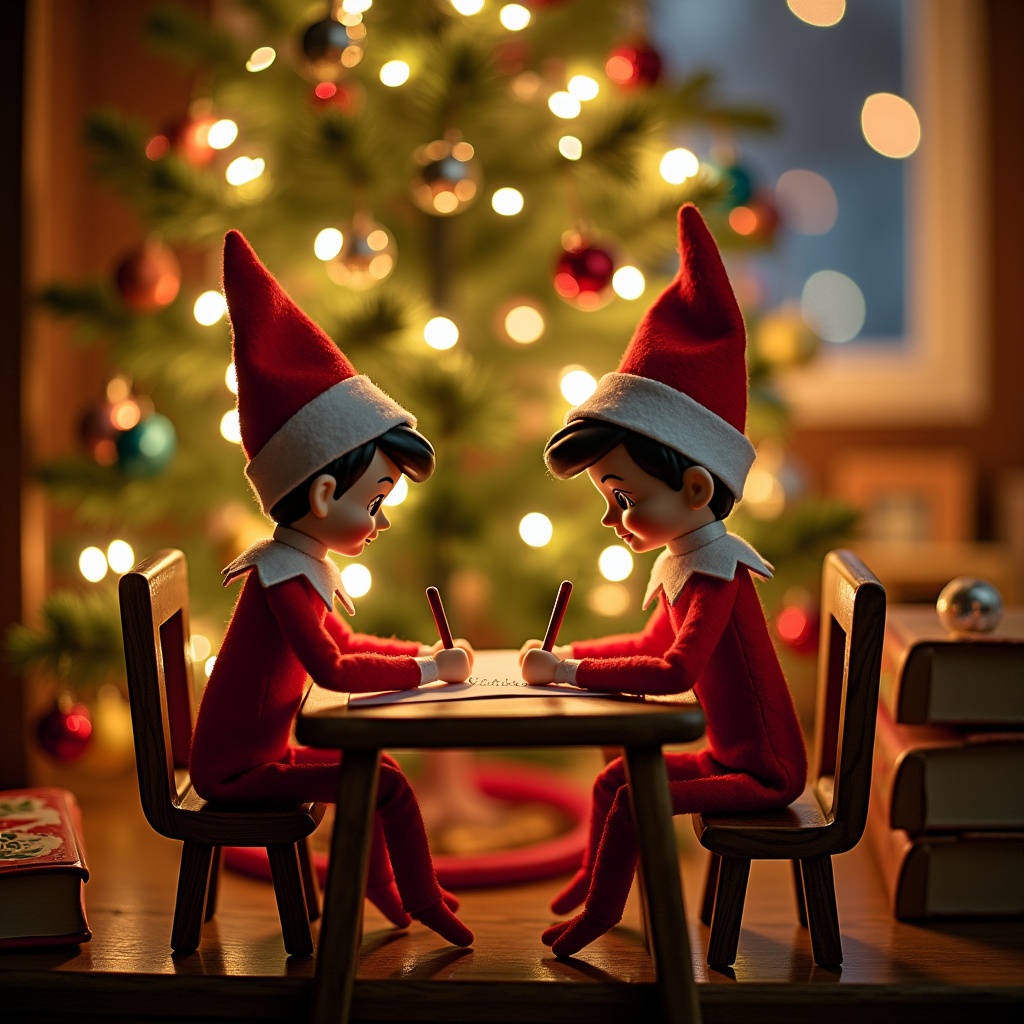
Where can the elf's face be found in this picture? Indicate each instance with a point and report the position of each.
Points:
(348, 523)
(643, 510)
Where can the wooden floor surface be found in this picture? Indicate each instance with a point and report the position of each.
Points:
(241, 971)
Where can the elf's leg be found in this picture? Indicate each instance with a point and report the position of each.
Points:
(607, 784)
(406, 837)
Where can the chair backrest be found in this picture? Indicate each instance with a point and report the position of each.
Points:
(158, 660)
(850, 655)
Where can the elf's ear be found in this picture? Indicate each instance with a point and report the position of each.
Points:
(698, 487)
(321, 492)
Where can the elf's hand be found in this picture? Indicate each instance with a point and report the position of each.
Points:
(461, 642)
(560, 652)
(453, 664)
(539, 666)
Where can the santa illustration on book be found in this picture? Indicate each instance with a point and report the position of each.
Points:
(325, 447)
(662, 439)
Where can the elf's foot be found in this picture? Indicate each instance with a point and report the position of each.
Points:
(386, 899)
(568, 937)
(573, 894)
(441, 920)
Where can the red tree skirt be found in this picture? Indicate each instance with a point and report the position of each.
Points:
(519, 783)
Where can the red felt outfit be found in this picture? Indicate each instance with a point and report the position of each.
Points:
(242, 748)
(715, 641)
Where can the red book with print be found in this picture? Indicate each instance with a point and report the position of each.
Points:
(42, 869)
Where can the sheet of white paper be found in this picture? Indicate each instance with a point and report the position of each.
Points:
(495, 674)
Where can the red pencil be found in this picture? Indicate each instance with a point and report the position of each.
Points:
(434, 597)
(557, 614)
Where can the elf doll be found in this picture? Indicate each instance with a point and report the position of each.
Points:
(325, 447)
(662, 441)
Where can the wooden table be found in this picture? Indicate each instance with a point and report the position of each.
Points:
(639, 726)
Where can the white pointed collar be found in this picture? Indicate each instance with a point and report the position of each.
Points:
(710, 550)
(290, 553)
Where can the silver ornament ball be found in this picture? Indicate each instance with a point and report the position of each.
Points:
(969, 605)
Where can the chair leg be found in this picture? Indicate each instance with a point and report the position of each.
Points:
(291, 901)
(725, 923)
(822, 913)
(213, 888)
(707, 903)
(798, 888)
(310, 885)
(190, 901)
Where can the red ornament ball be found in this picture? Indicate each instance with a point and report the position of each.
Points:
(634, 65)
(583, 275)
(148, 278)
(98, 434)
(65, 730)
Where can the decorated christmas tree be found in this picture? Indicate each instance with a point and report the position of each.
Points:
(477, 202)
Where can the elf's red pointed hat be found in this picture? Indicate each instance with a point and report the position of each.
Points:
(683, 378)
(300, 401)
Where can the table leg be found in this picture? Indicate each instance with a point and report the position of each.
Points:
(341, 919)
(659, 862)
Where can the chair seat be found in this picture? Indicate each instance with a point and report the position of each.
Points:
(790, 832)
(226, 825)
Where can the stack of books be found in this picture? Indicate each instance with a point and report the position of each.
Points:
(947, 805)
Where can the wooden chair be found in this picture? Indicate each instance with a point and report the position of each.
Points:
(157, 644)
(830, 815)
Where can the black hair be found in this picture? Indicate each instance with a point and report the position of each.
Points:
(581, 443)
(407, 449)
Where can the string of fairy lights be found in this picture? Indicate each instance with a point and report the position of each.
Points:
(362, 253)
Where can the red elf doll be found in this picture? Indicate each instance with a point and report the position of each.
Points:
(662, 441)
(325, 447)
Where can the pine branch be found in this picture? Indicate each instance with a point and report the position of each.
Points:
(178, 33)
(93, 306)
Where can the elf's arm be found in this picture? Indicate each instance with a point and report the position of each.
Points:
(350, 642)
(293, 604)
(709, 603)
(655, 638)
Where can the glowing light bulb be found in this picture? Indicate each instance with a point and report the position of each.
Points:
(120, 556)
(507, 201)
(677, 165)
(628, 283)
(209, 308)
(222, 133)
(440, 333)
(244, 169)
(356, 579)
(230, 428)
(92, 564)
(583, 87)
(327, 244)
(577, 385)
(564, 105)
(208, 666)
(261, 58)
(231, 379)
(356, 6)
(524, 324)
(615, 563)
(398, 493)
(536, 530)
(468, 7)
(570, 147)
(515, 17)
(395, 73)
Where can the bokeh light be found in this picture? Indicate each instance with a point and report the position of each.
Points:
(440, 333)
(244, 169)
(536, 530)
(807, 202)
(120, 556)
(615, 563)
(524, 324)
(261, 58)
(468, 7)
(576, 385)
(507, 201)
(395, 73)
(231, 379)
(209, 308)
(328, 243)
(201, 647)
(583, 87)
(821, 13)
(570, 147)
(356, 580)
(398, 493)
(515, 17)
(609, 599)
(564, 105)
(92, 564)
(230, 428)
(628, 283)
(222, 133)
(890, 125)
(833, 305)
(677, 165)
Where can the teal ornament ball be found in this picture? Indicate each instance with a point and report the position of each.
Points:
(739, 182)
(146, 449)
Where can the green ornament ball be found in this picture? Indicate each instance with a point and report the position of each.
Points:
(147, 448)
